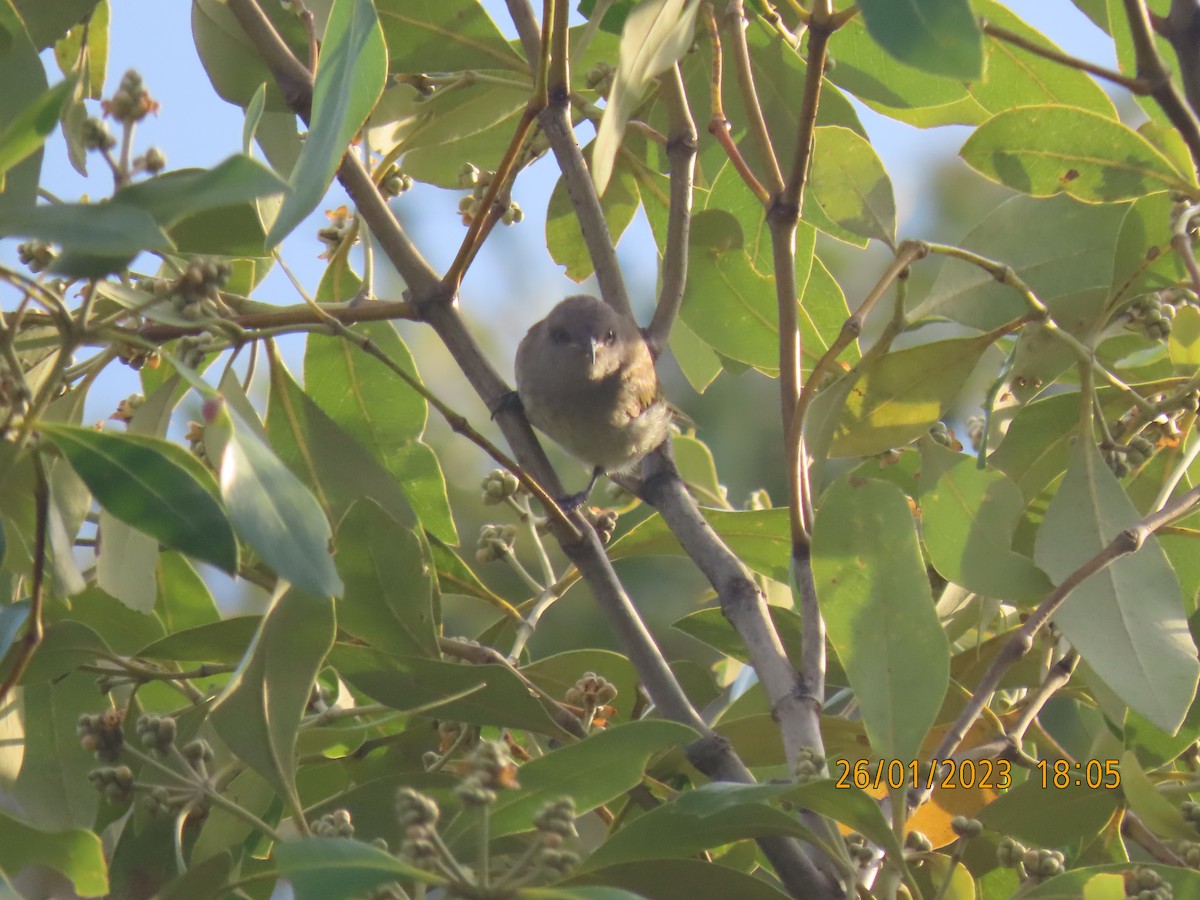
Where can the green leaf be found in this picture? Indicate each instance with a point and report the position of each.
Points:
(1047, 150)
(47, 22)
(1080, 812)
(444, 36)
(175, 196)
(184, 600)
(388, 602)
(681, 879)
(1128, 621)
(1143, 260)
(759, 538)
(1184, 342)
(900, 394)
(383, 414)
(224, 641)
(351, 78)
(109, 231)
(1142, 794)
(1109, 878)
(65, 646)
(868, 71)
(939, 36)
(25, 134)
(320, 868)
(77, 854)
(258, 714)
(850, 188)
(152, 485)
(592, 772)
(656, 34)
(269, 508)
(874, 594)
(482, 695)
(968, 517)
(1057, 246)
(23, 72)
(709, 816)
(338, 468)
(49, 789)
(564, 239)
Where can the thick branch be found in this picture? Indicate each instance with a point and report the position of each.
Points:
(1181, 28)
(1150, 67)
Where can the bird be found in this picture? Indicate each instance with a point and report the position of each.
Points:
(586, 379)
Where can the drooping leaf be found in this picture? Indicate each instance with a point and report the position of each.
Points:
(259, 712)
(656, 34)
(444, 36)
(874, 594)
(1128, 620)
(349, 81)
(387, 602)
(269, 508)
(321, 867)
(26, 133)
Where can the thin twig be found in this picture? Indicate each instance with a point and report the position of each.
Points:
(735, 20)
(1134, 85)
(718, 124)
(34, 628)
(1128, 541)
(681, 150)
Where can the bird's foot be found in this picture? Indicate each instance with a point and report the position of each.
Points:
(509, 401)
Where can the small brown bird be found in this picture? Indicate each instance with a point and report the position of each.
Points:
(586, 378)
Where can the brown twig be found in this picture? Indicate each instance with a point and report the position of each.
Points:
(1153, 71)
(718, 124)
(735, 21)
(1135, 85)
(1128, 541)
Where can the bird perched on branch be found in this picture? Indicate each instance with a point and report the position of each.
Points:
(586, 378)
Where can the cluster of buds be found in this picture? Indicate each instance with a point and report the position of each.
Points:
(1153, 314)
(394, 182)
(975, 425)
(1146, 884)
(418, 817)
(157, 733)
(859, 850)
(591, 690)
(810, 766)
(199, 755)
(495, 542)
(15, 396)
(102, 734)
(339, 230)
(1189, 852)
(95, 135)
(35, 255)
(151, 162)
(498, 486)
(759, 499)
(599, 78)
(195, 440)
(131, 102)
(127, 407)
(555, 824)
(490, 768)
(605, 523)
(1190, 810)
(966, 828)
(916, 842)
(942, 434)
(137, 357)
(1123, 459)
(479, 181)
(192, 348)
(115, 783)
(334, 824)
(1042, 863)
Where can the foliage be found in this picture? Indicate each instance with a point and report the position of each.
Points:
(976, 674)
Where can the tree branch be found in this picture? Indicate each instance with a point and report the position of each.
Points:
(681, 150)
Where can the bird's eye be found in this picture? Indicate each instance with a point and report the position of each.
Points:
(610, 336)
(559, 335)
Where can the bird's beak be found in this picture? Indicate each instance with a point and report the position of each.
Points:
(591, 351)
